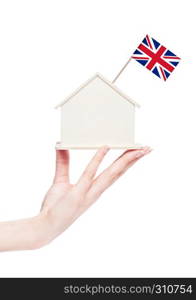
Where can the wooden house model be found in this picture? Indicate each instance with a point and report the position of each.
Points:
(97, 113)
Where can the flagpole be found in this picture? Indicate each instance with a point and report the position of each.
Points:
(114, 80)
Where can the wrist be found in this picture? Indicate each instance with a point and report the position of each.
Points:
(42, 230)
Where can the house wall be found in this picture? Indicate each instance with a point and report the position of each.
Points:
(97, 116)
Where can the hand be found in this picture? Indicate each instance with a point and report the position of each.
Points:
(65, 202)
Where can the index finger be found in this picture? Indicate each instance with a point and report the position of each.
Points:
(113, 172)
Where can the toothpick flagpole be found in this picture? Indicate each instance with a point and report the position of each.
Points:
(121, 70)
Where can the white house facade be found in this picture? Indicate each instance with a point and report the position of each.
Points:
(97, 114)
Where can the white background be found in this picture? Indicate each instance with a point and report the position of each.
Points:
(144, 225)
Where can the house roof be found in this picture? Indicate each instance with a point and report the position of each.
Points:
(113, 86)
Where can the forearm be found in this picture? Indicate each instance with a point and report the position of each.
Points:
(24, 234)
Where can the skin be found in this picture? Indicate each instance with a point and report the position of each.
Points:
(65, 202)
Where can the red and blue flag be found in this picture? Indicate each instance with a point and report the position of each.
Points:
(156, 58)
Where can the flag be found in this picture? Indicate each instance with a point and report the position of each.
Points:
(156, 58)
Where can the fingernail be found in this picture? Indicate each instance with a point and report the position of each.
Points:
(148, 150)
(143, 151)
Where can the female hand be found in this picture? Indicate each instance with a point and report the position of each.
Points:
(65, 202)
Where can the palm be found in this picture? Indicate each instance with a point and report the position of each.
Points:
(55, 194)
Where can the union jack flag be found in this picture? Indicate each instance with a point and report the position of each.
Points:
(156, 57)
